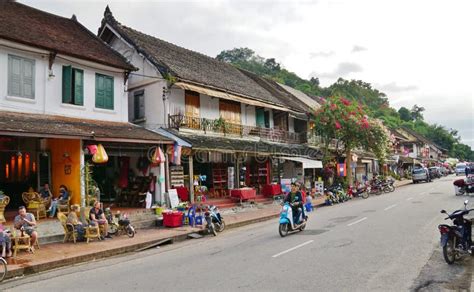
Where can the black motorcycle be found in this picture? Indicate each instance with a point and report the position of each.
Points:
(456, 239)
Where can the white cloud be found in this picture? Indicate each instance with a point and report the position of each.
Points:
(358, 48)
(342, 70)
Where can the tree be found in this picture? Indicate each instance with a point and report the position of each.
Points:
(236, 55)
(416, 113)
(347, 122)
(405, 114)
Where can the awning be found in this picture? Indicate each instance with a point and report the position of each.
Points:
(173, 137)
(230, 96)
(307, 163)
(50, 126)
(366, 161)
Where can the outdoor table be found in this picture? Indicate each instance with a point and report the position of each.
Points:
(20, 243)
(271, 190)
(243, 194)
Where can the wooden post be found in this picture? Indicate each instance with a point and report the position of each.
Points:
(237, 171)
(191, 179)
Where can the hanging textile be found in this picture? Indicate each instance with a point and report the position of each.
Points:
(124, 168)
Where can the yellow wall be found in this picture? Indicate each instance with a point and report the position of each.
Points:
(58, 162)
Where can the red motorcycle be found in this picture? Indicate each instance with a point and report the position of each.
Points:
(359, 190)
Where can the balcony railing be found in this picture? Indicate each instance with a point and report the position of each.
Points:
(227, 128)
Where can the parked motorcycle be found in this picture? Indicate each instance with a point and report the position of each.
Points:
(388, 185)
(464, 186)
(359, 190)
(217, 219)
(211, 229)
(119, 225)
(375, 187)
(287, 221)
(456, 239)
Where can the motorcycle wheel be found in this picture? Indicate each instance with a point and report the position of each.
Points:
(365, 195)
(378, 192)
(392, 188)
(130, 231)
(302, 227)
(387, 189)
(449, 252)
(283, 229)
(113, 228)
(220, 226)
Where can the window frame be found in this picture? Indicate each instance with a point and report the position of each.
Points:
(104, 104)
(22, 77)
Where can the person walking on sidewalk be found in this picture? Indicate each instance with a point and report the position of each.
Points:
(97, 216)
(26, 222)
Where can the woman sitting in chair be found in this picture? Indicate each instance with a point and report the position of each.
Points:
(74, 220)
(62, 199)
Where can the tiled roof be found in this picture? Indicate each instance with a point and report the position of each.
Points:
(190, 66)
(51, 126)
(210, 143)
(33, 27)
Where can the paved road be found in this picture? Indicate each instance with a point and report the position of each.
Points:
(383, 243)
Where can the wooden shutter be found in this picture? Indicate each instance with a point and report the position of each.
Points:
(67, 82)
(139, 104)
(78, 87)
(28, 75)
(260, 117)
(192, 109)
(99, 91)
(109, 92)
(14, 76)
(230, 111)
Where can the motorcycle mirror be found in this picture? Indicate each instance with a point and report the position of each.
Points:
(443, 211)
(466, 202)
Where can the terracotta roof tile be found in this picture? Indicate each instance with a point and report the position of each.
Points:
(49, 125)
(30, 26)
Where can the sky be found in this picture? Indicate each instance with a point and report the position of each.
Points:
(416, 51)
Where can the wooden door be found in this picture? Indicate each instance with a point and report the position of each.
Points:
(192, 106)
(230, 112)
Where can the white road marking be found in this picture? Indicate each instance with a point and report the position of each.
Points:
(358, 221)
(390, 207)
(292, 249)
(410, 198)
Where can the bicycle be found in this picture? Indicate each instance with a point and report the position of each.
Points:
(3, 268)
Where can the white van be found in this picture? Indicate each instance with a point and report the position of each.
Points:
(460, 169)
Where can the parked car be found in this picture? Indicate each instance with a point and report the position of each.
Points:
(420, 174)
(444, 170)
(435, 172)
(460, 169)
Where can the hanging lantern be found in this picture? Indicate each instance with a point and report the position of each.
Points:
(7, 171)
(27, 164)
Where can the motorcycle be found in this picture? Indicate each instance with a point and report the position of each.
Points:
(456, 239)
(211, 229)
(359, 190)
(287, 220)
(464, 186)
(119, 225)
(217, 219)
(375, 187)
(388, 185)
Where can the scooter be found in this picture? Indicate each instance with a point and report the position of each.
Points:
(456, 239)
(209, 225)
(287, 223)
(119, 225)
(359, 190)
(217, 219)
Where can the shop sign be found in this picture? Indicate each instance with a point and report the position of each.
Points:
(67, 169)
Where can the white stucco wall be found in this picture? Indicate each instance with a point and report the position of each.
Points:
(251, 119)
(48, 90)
(291, 124)
(209, 107)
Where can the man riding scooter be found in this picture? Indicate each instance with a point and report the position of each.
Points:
(295, 198)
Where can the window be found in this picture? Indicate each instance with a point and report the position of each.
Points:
(139, 105)
(73, 85)
(192, 109)
(104, 91)
(21, 77)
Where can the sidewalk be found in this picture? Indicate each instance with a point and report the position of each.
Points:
(55, 255)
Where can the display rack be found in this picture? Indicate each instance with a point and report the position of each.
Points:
(176, 176)
(219, 181)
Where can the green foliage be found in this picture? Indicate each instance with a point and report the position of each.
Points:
(374, 101)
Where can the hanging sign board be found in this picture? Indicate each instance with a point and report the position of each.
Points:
(173, 195)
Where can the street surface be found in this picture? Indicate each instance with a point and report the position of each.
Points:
(385, 243)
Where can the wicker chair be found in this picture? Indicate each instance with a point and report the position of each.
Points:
(3, 203)
(91, 232)
(35, 204)
(63, 206)
(70, 232)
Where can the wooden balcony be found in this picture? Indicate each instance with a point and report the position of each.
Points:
(231, 129)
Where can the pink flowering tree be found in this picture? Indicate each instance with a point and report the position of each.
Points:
(345, 124)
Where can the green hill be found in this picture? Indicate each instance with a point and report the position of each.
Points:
(375, 101)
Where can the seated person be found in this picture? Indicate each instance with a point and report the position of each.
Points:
(295, 199)
(62, 199)
(97, 217)
(26, 222)
(6, 242)
(72, 219)
(45, 192)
